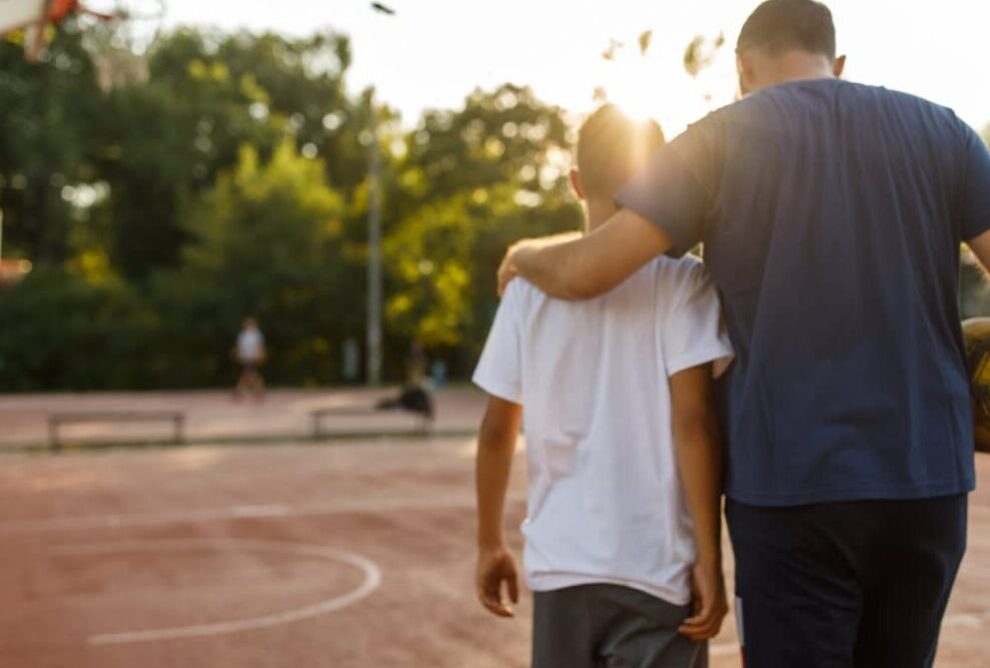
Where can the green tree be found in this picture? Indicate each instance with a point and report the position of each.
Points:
(266, 242)
(61, 332)
(47, 112)
(501, 136)
(445, 256)
(207, 94)
(225, 175)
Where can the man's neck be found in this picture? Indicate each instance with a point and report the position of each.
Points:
(802, 66)
(599, 210)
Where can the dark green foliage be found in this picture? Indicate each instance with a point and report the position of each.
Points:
(65, 333)
(47, 116)
(232, 180)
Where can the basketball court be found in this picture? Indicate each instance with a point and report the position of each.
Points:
(339, 554)
(262, 542)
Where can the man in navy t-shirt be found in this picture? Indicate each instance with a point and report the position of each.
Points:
(831, 216)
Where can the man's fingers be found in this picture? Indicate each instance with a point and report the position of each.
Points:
(505, 275)
(512, 583)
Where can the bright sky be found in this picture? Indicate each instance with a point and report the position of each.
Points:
(432, 53)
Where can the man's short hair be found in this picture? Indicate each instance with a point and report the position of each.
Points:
(612, 147)
(778, 26)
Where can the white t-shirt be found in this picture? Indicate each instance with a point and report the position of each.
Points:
(250, 344)
(604, 500)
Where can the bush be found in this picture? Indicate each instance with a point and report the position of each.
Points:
(62, 332)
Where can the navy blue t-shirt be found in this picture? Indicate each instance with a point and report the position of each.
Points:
(831, 215)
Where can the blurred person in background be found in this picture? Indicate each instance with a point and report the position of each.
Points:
(250, 353)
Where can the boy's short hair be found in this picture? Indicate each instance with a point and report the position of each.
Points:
(778, 26)
(612, 147)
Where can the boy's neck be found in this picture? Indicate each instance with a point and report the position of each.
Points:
(598, 211)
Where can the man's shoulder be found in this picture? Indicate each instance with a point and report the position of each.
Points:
(817, 90)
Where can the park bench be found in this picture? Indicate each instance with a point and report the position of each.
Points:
(318, 414)
(56, 420)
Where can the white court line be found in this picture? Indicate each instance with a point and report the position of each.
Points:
(967, 620)
(372, 580)
(384, 504)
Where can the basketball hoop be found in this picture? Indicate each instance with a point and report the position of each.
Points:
(31, 22)
(25, 21)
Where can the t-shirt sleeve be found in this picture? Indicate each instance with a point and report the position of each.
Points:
(675, 190)
(975, 201)
(499, 371)
(693, 330)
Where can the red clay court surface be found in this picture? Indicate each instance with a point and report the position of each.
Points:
(333, 555)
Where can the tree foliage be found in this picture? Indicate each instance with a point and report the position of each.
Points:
(266, 241)
(230, 178)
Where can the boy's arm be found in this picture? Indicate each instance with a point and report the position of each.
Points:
(697, 440)
(496, 447)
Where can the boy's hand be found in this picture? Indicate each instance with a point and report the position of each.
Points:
(496, 566)
(710, 604)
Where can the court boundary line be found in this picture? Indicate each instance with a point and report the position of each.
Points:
(274, 510)
(372, 581)
(247, 511)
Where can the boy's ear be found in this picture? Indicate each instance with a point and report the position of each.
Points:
(577, 184)
(840, 66)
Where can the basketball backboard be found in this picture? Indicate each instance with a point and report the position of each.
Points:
(31, 21)
(29, 16)
(19, 14)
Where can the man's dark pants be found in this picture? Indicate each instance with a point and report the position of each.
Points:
(859, 584)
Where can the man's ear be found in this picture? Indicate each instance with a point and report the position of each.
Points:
(839, 66)
(747, 75)
(577, 184)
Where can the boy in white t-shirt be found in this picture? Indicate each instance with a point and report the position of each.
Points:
(622, 444)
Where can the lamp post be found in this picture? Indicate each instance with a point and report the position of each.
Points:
(374, 325)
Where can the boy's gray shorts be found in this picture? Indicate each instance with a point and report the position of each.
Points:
(609, 626)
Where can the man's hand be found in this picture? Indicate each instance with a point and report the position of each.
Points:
(710, 604)
(497, 566)
(509, 268)
(981, 249)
